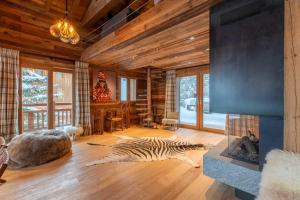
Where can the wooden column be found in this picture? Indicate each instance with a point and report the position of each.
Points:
(20, 109)
(149, 103)
(73, 112)
(51, 110)
(292, 76)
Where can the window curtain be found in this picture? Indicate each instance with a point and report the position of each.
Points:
(9, 78)
(82, 92)
(238, 125)
(170, 102)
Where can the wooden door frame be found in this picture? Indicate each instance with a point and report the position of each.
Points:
(72, 72)
(194, 72)
(202, 128)
(199, 72)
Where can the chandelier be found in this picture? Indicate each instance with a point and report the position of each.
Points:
(64, 30)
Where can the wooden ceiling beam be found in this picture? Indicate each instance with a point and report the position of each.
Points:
(30, 60)
(23, 47)
(96, 10)
(165, 15)
(177, 44)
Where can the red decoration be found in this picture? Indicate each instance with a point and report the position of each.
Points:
(101, 92)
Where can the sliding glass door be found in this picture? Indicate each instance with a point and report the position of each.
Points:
(47, 99)
(213, 121)
(62, 95)
(193, 101)
(34, 99)
(188, 100)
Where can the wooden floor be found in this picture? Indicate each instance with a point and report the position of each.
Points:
(69, 178)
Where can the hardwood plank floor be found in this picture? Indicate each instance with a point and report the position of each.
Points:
(69, 178)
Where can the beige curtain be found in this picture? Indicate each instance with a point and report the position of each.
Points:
(82, 92)
(170, 102)
(9, 73)
(238, 125)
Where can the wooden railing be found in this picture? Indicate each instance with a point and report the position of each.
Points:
(38, 119)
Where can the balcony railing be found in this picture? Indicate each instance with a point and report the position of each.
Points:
(35, 116)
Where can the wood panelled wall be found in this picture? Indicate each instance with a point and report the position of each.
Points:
(34, 61)
(292, 76)
(158, 92)
(119, 73)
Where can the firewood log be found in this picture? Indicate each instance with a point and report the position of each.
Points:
(249, 146)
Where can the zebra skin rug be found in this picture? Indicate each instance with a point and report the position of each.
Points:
(131, 149)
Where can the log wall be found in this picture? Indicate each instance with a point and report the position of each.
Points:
(158, 95)
(292, 76)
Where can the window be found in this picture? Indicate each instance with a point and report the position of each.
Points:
(211, 120)
(132, 89)
(38, 111)
(34, 99)
(62, 95)
(123, 89)
(188, 100)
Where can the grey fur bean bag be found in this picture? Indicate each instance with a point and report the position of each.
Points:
(32, 149)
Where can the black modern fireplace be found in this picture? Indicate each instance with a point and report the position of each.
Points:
(242, 138)
(250, 138)
(247, 73)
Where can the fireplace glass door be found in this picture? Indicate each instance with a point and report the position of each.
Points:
(243, 137)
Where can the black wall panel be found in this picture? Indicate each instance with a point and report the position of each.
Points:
(247, 57)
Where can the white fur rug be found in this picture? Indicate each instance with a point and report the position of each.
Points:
(280, 177)
(73, 131)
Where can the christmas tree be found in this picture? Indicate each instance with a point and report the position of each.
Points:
(101, 92)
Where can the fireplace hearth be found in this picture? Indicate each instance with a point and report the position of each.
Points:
(244, 176)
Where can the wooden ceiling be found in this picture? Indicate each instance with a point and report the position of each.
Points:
(100, 11)
(24, 25)
(166, 36)
(169, 35)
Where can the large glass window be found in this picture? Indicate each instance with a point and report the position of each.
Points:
(188, 100)
(36, 102)
(62, 95)
(124, 89)
(132, 89)
(211, 120)
(34, 99)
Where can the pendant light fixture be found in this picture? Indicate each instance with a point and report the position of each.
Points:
(64, 30)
